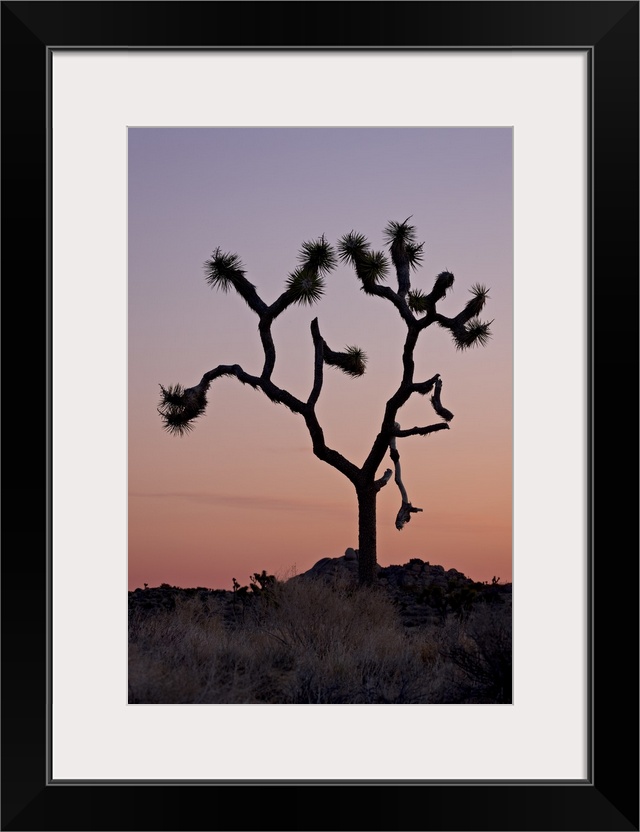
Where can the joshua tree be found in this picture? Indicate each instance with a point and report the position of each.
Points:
(180, 407)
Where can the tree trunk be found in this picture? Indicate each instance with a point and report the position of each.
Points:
(367, 573)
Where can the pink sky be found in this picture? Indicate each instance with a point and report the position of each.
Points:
(243, 492)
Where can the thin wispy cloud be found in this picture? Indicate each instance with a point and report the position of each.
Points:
(244, 501)
(284, 449)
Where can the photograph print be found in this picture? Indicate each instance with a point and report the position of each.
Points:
(320, 408)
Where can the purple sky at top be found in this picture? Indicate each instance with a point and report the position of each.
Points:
(244, 492)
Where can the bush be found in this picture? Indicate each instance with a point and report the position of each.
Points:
(304, 642)
(482, 656)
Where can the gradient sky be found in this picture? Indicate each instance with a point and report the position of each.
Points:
(243, 492)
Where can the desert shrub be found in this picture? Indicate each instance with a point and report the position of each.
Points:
(348, 644)
(480, 656)
(304, 642)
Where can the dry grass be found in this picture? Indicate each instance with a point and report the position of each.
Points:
(303, 642)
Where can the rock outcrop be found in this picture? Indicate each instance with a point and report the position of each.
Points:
(422, 592)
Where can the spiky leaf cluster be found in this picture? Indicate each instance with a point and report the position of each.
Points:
(352, 246)
(475, 306)
(306, 285)
(417, 300)
(317, 256)
(399, 232)
(370, 266)
(474, 333)
(223, 270)
(404, 249)
(415, 254)
(179, 407)
(352, 361)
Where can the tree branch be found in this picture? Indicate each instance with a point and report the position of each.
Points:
(224, 270)
(279, 396)
(393, 405)
(398, 301)
(318, 365)
(280, 304)
(179, 408)
(229, 370)
(424, 387)
(247, 292)
(443, 282)
(267, 317)
(404, 515)
(437, 405)
(320, 448)
(395, 458)
(400, 398)
(405, 252)
(427, 303)
(406, 509)
(275, 394)
(422, 431)
(467, 329)
(383, 480)
(323, 452)
(264, 328)
(407, 358)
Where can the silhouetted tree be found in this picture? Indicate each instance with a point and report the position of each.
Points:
(180, 407)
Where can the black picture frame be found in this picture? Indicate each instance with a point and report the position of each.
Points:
(608, 799)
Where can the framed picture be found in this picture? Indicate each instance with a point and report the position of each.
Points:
(561, 80)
